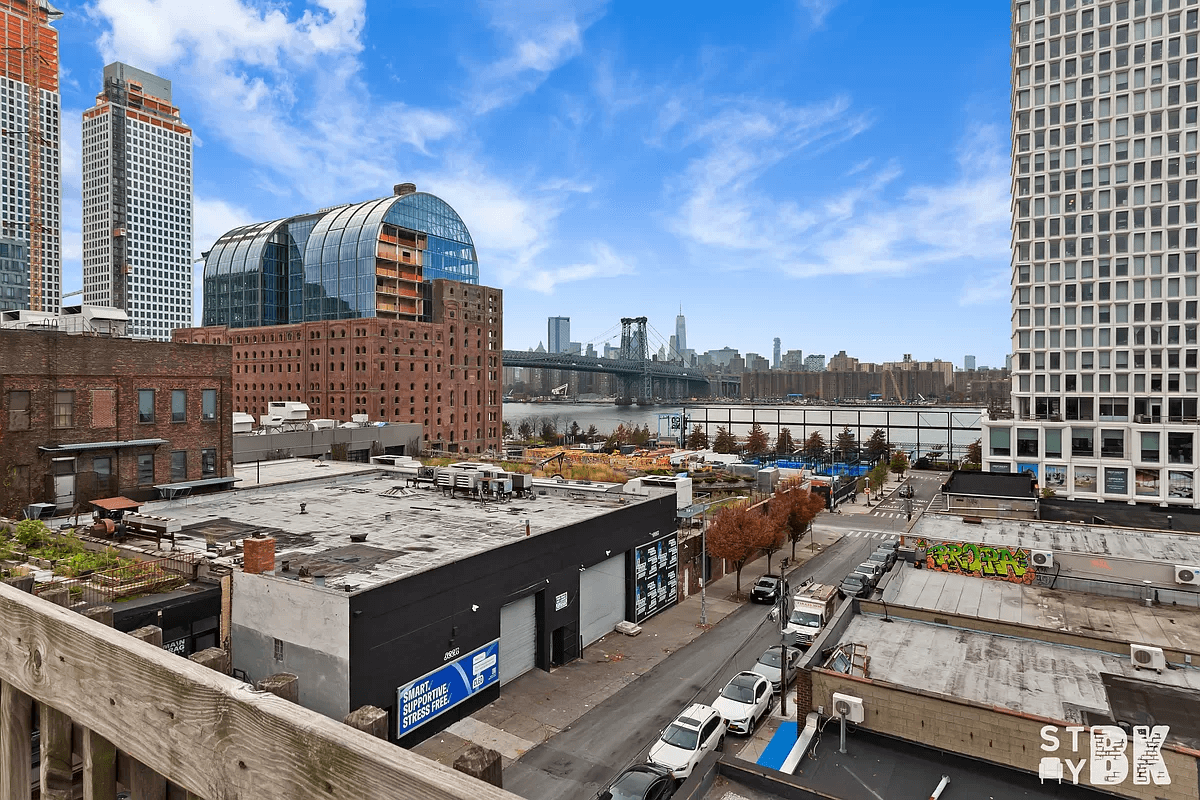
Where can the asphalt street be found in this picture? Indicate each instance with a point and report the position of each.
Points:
(581, 760)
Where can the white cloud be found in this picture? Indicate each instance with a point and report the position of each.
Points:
(604, 263)
(538, 36)
(870, 226)
(283, 92)
(719, 202)
(963, 221)
(818, 9)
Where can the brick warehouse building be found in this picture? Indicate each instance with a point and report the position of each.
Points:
(89, 417)
(368, 308)
(444, 374)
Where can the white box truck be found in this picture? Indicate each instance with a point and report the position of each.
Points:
(812, 608)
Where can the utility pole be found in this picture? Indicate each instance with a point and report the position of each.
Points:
(783, 681)
(703, 564)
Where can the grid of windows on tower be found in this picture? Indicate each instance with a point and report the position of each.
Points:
(1105, 205)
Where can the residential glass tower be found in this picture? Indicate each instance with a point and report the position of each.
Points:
(1104, 250)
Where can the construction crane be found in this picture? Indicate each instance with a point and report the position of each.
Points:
(559, 391)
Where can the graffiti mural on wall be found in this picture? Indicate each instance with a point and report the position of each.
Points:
(982, 561)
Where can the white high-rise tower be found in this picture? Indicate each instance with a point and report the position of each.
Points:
(137, 203)
(1104, 251)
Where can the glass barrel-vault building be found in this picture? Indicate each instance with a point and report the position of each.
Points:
(370, 259)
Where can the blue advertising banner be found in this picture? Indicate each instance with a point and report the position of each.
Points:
(430, 695)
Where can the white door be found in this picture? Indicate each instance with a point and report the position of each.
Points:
(518, 638)
(601, 598)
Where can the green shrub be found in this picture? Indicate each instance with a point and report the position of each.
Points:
(32, 533)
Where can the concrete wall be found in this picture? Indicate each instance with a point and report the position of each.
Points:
(314, 625)
(970, 505)
(997, 735)
(313, 444)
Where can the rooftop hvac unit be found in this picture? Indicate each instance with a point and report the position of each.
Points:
(466, 480)
(1043, 559)
(360, 419)
(1147, 657)
(445, 477)
(1187, 575)
(851, 706)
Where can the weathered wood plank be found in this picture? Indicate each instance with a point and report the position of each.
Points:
(209, 733)
(16, 736)
(99, 767)
(56, 778)
(145, 783)
(149, 633)
(282, 684)
(370, 719)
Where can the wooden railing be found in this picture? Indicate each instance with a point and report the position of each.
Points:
(169, 719)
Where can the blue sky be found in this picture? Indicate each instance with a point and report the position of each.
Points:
(831, 172)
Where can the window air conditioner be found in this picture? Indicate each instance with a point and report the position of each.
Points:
(1043, 559)
(851, 706)
(1187, 575)
(1147, 657)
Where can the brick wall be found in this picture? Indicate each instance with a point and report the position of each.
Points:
(105, 376)
(445, 375)
(989, 733)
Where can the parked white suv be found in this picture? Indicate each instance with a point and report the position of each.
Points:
(683, 743)
(744, 701)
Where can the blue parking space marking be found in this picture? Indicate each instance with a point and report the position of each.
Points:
(780, 746)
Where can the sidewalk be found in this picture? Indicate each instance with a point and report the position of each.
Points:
(538, 705)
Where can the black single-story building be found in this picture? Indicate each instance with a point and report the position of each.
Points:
(376, 589)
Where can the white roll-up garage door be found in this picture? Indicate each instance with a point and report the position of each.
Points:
(518, 638)
(601, 598)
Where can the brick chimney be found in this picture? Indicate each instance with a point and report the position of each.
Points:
(258, 555)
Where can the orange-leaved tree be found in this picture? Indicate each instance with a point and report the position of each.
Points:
(736, 534)
(794, 508)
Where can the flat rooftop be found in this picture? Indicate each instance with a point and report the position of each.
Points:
(426, 529)
(1118, 543)
(877, 767)
(1115, 618)
(1025, 675)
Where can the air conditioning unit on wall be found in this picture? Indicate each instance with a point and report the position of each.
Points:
(1043, 559)
(1187, 575)
(849, 705)
(1147, 657)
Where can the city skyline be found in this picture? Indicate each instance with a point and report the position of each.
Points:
(901, 218)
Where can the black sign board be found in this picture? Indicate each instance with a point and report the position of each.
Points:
(656, 585)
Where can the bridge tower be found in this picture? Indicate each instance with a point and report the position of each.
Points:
(635, 349)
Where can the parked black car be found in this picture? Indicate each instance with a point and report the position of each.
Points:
(766, 589)
(642, 782)
(854, 585)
